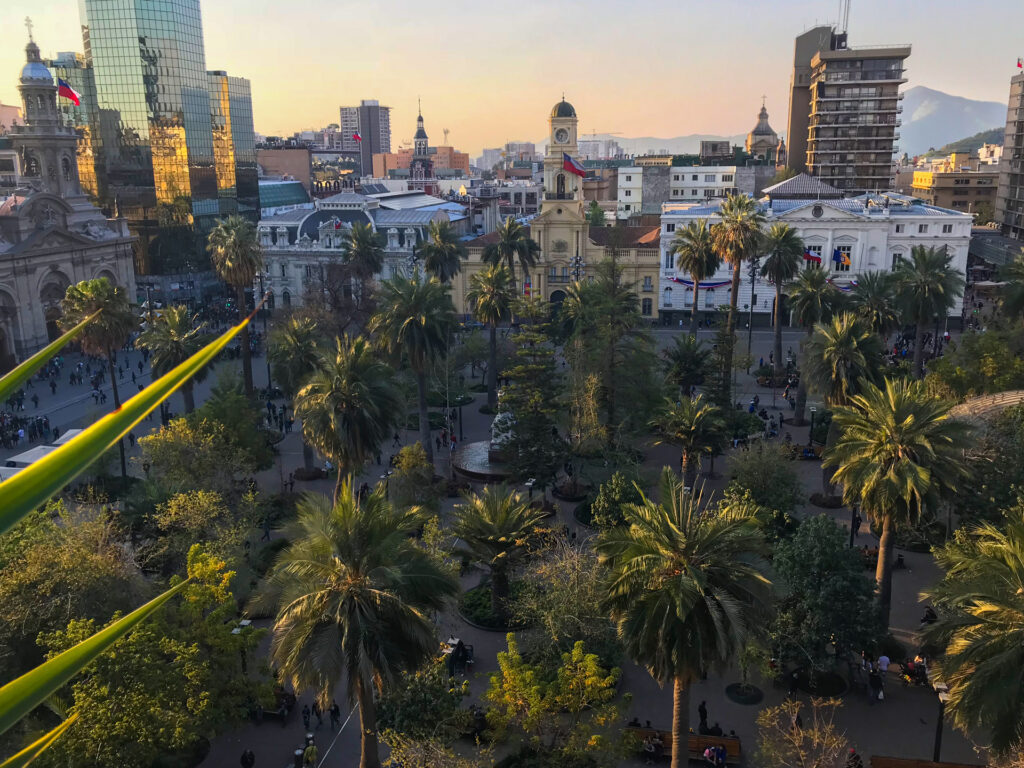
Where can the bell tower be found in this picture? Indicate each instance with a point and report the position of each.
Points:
(560, 185)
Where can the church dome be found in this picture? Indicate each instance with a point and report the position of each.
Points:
(563, 109)
(762, 128)
(34, 70)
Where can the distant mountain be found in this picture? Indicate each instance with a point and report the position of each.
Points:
(932, 119)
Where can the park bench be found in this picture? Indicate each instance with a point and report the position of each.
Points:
(696, 746)
(878, 761)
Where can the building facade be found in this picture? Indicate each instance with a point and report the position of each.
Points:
(961, 190)
(371, 123)
(762, 142)
(51, 236)
(1010, 194)
(845, 236)
(643, 190)
(234, 144)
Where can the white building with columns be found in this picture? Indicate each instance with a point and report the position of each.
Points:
(845, 236)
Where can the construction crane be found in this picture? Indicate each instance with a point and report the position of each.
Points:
(844, 15)
(445, 131)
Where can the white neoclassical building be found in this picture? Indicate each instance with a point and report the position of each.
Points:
(845, 236)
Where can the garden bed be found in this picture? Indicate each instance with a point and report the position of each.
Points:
(475, 608)
(436, 419)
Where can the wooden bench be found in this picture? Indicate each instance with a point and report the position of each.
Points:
(878, 761)
(696, 746)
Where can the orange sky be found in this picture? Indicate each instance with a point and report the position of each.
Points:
(490, 72)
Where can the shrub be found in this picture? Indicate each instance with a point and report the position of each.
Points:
(606, 509)
(765, 472)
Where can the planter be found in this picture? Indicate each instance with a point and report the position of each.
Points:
(579, 493)
(474, 608)
(744, 693)
(310, 474)
(826, 502)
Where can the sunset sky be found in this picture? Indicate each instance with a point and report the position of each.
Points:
(490, 71)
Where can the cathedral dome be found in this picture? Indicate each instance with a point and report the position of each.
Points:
(563, 109)
(34, 70)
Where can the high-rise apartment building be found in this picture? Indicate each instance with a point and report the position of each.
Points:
(1010, 194)
(234, 143)
(372, 124)
(844, 110)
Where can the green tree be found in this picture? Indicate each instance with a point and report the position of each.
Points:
(980, 602)
(349, 406)
(818, 743)
(294, 353)
(442, 252)
(362, 249)
(612, 496)
(979, 364)
(412, 483)
(898, 453)
(237, 259)
(784, 251)
(242, 419)
(686, 362)
(514, 244)
(696, 426)
(496, 527)
(106, 333)
(415, 319)
(172, 338)
(490, 295)
(354, 596)
(684, 585)
(993, 467)
(595, 215)
(874, 301)
(425, 705)
(928, 286)
(737, 237)
(1011, 295)
(839, 356)
(184, 519)
(764, 473)
(827, 609)
(984, 213)
(696, 255)
(813, 300)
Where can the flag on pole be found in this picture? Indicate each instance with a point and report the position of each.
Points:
(1020, 63)
(570, 165)
(810, 255)
(65, 90)
(527, 285)
(356, 136)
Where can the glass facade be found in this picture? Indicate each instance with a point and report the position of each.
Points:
(234, 144)
(72, 69)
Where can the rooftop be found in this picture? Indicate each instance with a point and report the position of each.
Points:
(803, 186)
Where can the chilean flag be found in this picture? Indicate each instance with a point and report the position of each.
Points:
(65, 90)
(812, 256)
(570, 165)
(356, 136)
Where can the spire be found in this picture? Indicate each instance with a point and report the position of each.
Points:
(28, 26)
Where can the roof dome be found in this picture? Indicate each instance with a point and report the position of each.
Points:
(34, 70)
(563, 109)
(762, 128)
(420, 133)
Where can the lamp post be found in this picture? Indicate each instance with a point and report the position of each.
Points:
(263, 312)
(750, 317)
(577, 266)
(943, 693)
(529, 485)
(853, 516)
(810, 435)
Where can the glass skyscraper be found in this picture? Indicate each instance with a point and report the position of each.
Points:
(234, 144)
(72, 69)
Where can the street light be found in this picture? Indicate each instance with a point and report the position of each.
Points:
(264, 311)
(750, 317)
(943, 694)
(577, 266)
(810, 435)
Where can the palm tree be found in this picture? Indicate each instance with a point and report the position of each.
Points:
(414, 319)
(813, 300)
(686, 362)
(107, 333)
(354, 598)
(514, 244)
(490, 298)
(349, 405)
(897, 453)
(294, 353)
(928, 286)
(874, 300)
(1012, 294)
(363, 250)
(840, 356)
(784, 251)
(172, 338)
(443, 252)
(685, 586)
(695, 254)
(696, 426)
(981, 629)
(737, 237)
(495, 527)
(237, 259)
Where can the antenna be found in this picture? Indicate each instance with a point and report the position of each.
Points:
(445, 131)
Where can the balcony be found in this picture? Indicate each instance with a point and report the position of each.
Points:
(559, 278)
(559, 196)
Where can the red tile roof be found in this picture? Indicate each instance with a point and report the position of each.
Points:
(629, 237)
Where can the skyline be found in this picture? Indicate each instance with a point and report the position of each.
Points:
(469, 64)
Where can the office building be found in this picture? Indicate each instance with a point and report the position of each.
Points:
(287, 162)
(234, 144)
(844, 110)
(960, 181)
(1010, 194)
(643, 190)
(371, 123)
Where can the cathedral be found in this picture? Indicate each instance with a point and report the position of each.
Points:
(762, 142)
(50, 234)
(421, 167)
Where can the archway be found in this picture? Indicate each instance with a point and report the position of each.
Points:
(51, 296)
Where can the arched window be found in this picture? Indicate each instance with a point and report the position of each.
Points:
(560, 185)
(65, 165)
(709, 298)
(666, 300)
(286, 299)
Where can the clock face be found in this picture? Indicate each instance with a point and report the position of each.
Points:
(561, 135)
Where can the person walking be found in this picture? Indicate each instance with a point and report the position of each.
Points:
(318, 714)
(856, 523)
(309, 755)
(305, 717)
(248, 759)
(875, 687)
(335, 714)
(853, 760)
(702, 713)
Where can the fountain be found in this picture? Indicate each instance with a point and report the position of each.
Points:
(484, 460)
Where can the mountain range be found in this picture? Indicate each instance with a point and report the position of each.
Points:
(931, 118)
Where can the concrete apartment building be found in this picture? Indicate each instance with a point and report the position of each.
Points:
(643, 190)
(1010, 193)
(372, 123)
(844, 110)
(961, 190)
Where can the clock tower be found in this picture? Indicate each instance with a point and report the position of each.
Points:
(560, 186)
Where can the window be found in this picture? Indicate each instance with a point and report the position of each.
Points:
(688, 298)
(694, 178)
(626, 207)
(961, 181)
(709, 298)
(726, 177)
(675, 191)
(709, 193)
(694, 192)
(947, 229)
(666, 300)
(709, 177)
(670, 227)
(897, 257)
(922, 229)
(629, 178)
(648, 285)
(842, 264)
(668, 259)
(675, 177)
(629, 193)
(900, 228)
(810, 263)
(646, 307)
(283, 273)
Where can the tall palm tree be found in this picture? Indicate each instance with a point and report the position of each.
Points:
(874, 300)
(784, 251)
(694, 249)
(237, 259)
(685, 586)
(107, 333)
(363, 250)
(898, 452)
(1011, 295)
(496, 527)
(737, 237)
(490, 297)
(294, 353)
(354, 598)
(172, 338)
(349, 405)
(696, 426)
(514, 244)
(415, 319)
(442, 252)
(686, 362)
(842, 355)
(813, 300)
(981, 629)
(928, 286)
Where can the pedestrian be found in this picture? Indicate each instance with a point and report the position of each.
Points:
(133, 377)
(53, 387)
(305, 716)
(702, 713)
(335, 713)
(875, 687)
(248, 759)
(396, 442)
(266, 532)
(309, 755)
(883, 666)
(318, 714)
(131, 439)
(760, 363)
(35, 400)
(140, 365)
(856, 523)
(437, 442)
(853, 760)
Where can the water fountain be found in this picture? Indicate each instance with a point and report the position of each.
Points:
(484, 460)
